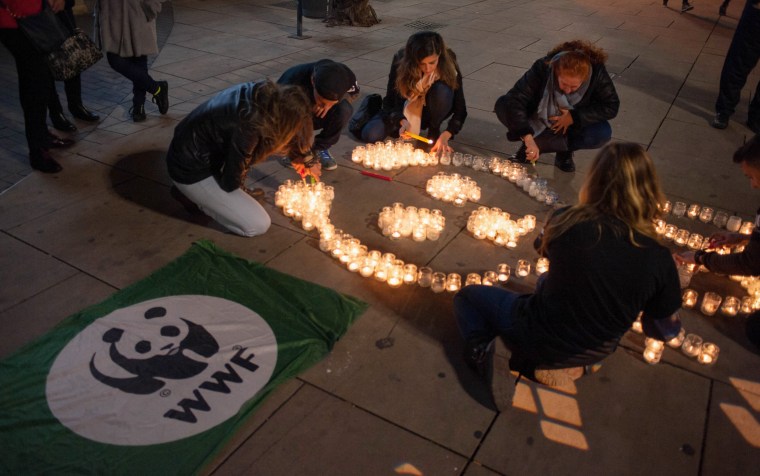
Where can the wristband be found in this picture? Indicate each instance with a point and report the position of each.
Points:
(698, 257)
(311, 162)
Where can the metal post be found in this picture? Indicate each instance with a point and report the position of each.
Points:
(299, 23)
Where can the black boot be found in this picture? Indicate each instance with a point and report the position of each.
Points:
(520, 156)
(61, 123)
(82, 113)
(41, 160)
(56, 142)
(138, 113)
(564, 161)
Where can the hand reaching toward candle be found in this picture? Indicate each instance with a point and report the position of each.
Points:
(531, 149)
(315, 170)
(723, 238)
(404, 127)
(442, 144)
(685, 257)
(562, 122)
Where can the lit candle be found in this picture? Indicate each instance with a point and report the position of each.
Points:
(710, 303)
(730, 306)
(670, 232)
(708, 353)
(472, 278)
(410, 274)
(746, 306)
(503, 270)
(523, 268)
(695, 241)
(666, 207)
(653, 351)
(706, 215)
(542, 266)
(746, 228)
(396, 274)
(689, 298)
(692, 344)
(682, 236)
(636, 326)
(453, 282)
(693, 211)
(490, 278)
(367, 268)
(677, 341)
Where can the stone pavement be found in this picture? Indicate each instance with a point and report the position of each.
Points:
(394, 390)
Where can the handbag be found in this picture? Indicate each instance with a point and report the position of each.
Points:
(66, 53)
(548, 141)
(369, 106)
(77, 53)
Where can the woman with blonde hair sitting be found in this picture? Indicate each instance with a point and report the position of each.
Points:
(606, 266)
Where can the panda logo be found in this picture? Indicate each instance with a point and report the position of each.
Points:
(166, 360)
(161, 370)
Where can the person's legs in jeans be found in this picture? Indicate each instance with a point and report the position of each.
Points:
(136, 70)
(237, 211)
(439, 102)
(592, 136)
(374, 130)
(484, 312)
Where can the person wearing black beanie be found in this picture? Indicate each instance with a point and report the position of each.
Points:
(329, 85)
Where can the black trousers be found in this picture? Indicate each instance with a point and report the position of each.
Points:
(332, 125)
(34, 84)
(742, 57)
(136, 70)
(72, 86)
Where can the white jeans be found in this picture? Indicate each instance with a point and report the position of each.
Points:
(237, 211)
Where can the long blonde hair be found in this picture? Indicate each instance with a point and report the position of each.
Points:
(281, 117)
(622, 184)
(418, 47)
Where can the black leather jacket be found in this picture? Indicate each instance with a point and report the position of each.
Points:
(213, 140)
(600, 103)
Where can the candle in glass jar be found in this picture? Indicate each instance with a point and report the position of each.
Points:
(706, 214)
(438, 284)
(677, 341)
(682, 237)
(453, 282)
(720, 220)
(410, 273)
(746, 228)
(502, 271)
(693, 210)
(710, 303)
(472, 278)
(666, 207)
(689, 298)
(708, 353)
(395, 276)
(670, 232)
(636, 326)
(653, 350)
(730, 306)
(692, 344)
(734, 223)
(425, 276)
(523, 268)
(542, 265)
(490, 278)
(695, 241)
(679, 208)
(746, 305)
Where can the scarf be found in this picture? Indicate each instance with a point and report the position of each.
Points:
(414, 104)
(553, 100)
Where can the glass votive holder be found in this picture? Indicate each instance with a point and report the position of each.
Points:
(693, 211)
(395, 276)
(706, 214)
(679, 208)
(425, 276)
(636, 326)
(689, 298)
(746, 228)
(666, 207)
(502, 272)
(367, 267)
(490, 278)
(695, 241)
(720, 220)
(542, 265)
(692, 344)
(730, 306)
(523, 268)
(734, 223)
(653, 350)
(410, 273)
(453, 282)
(682, 237)
(708, 353)
(710, 303)
(438, 284)
(746, 305)
(677, 341)
(670, 232)
(472, 278)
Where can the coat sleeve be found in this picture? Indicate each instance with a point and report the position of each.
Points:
(459, 108)
(393, 102)
(237, 160)
(602, 104)
(515, 108)
(746, 263)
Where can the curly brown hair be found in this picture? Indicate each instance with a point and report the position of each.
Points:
(418, 47)
(595, 54)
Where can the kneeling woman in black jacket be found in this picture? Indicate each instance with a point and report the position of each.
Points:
(215, 145)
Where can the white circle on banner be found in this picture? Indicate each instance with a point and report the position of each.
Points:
(161, 370)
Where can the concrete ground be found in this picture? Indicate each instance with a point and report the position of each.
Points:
(394, 395)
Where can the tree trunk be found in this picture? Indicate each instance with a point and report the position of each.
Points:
(352, 12)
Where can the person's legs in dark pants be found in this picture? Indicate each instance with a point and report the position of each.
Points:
(55, 110)
(331, 127)
(34, 83)
(439, 102)
(592, 136)
(741, 59)
(136, 70)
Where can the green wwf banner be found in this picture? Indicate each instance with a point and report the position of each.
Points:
(158, 377)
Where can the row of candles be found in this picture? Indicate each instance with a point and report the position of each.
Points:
(497, 226)
(691, 345)
(308, 203)
(706, 214)
(712, 302)
(398, 221)
(453, 188)
(391, 155)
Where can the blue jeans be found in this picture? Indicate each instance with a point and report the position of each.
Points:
(136, 70)
(439, 104)
(484, 312)
(592, 136)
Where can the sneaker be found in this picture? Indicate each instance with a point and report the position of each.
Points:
(138, 113)
(327, 161)
(161, 97)
(285, 162)
(564, 161)
(500, 379)
(686, 6)
(477, 356)
(720, 121)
